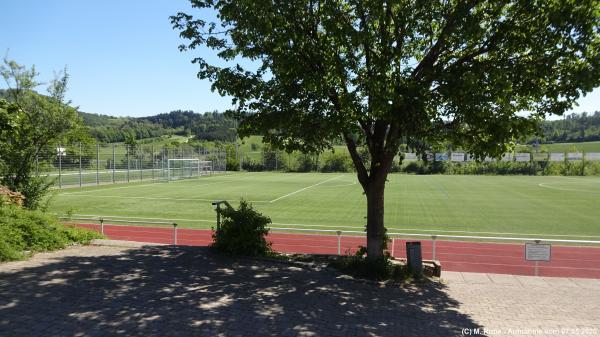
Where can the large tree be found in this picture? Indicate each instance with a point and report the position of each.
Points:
(30, 124)
(375, 73)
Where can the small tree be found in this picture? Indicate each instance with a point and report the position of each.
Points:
(31, 123)
(378, 73)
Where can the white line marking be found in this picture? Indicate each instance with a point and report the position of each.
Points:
(148, 198)
(549, 185)
(350, 227)
(155, 182)
(305, 188)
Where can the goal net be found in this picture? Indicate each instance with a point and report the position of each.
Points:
(186, 168)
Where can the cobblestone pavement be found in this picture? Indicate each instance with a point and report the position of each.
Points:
(185, 291)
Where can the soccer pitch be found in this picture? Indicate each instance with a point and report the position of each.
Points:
(568, 207)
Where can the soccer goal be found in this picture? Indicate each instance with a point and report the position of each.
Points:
(187, 168)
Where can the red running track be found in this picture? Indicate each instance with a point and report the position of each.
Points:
(500, 258)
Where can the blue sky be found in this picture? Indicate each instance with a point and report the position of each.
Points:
(122, 56)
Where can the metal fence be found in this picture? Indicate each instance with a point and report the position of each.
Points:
(495, 254)
(84, 164)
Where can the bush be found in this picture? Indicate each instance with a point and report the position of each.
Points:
(337, 162)
(381, 269)
(305, 163)
(242, 232)
(252, 166)
(232, 164)
(23, 231)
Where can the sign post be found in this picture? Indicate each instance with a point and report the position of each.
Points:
(538, 252)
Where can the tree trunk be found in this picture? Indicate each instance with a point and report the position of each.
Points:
(375, 225)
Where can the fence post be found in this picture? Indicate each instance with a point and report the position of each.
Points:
(393, 246)
(582, 163)
(127, 157)
(80, 177)
(339, 242)
(113, 164)
(102, 226)
(433, 237)
(152, 158)
(59, 153)
(141, 163)
(97, 164)
(174, 233)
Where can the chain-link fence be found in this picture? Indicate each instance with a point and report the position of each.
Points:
(84, 164)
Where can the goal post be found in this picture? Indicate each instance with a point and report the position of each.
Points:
(182, 168)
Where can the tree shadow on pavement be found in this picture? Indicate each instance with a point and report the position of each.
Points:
(188, 291)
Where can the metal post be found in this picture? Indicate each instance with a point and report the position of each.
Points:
(102, 226)
(127, 157)
(141, 163)
(433, 237)
(174, 233)
(537, 273)
(113, 165)
(97, 164)
(59, 165)
(582, 163)
(339, 242)
(393, 246)
(80, 182)
(152, 157)
(218, 217)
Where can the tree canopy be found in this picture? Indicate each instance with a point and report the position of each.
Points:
(375, 73)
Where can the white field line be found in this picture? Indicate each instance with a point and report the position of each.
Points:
(545, 185)
(154, 183)
(348, 227)
(305, 188)
(148, 198)
(91, 172)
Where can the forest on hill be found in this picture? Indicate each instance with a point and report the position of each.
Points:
(574, 128)
(215, 126)
(210, 126)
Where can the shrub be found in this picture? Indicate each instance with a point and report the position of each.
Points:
(23, 230)
(242, 232)
(337, 162)
(232, 164)
(252, 166)
(381, 269)
(305, 163)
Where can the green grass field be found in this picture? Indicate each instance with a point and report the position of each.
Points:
(565, 206)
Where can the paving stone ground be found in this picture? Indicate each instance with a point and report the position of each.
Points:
(186, 291)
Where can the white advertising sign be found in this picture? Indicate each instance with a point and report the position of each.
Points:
(410, 156)
(457, 156)
(523, 156)
(557, 157)
(571, 156)
(61, 151)
(507, 157)
(537, 251)
(592, 156)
